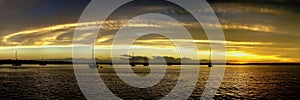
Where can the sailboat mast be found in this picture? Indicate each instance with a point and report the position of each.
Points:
(43, 57)
(209, 63)
(16, 55)
(133, 57)
(93, 55)
(209, 55)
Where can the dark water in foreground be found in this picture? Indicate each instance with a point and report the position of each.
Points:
(240, 82)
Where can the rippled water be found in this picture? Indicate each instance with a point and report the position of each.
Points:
(240, 82)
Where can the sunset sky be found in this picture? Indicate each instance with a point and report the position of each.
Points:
(255, 30)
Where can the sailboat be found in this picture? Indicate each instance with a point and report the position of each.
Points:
(93, 64)
(209, 61)
(132, 60)
(16, 63)
(43, 63)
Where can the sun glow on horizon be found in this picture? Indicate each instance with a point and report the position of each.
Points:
(102, 51)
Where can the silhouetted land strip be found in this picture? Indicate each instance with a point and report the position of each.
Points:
(33, 62)
(137, 63)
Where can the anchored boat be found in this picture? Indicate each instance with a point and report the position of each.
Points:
(16, 63)
(94, 63)
(209, 61)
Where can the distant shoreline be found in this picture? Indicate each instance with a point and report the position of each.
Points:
(109, 63)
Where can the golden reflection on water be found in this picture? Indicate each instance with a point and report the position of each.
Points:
(239, 82)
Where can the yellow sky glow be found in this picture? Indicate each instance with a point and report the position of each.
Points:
(51, 33)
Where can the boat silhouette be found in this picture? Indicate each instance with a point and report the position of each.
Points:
(93, 64)
(209, 60)
(43, 63)
(16, 63)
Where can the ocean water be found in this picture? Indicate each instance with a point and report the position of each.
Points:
(239, 82)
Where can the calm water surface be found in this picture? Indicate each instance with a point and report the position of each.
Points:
(240, 82)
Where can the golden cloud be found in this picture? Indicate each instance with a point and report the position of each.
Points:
(49, 35)
(155, 41)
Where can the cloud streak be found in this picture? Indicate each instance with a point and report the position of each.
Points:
(63, 33)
